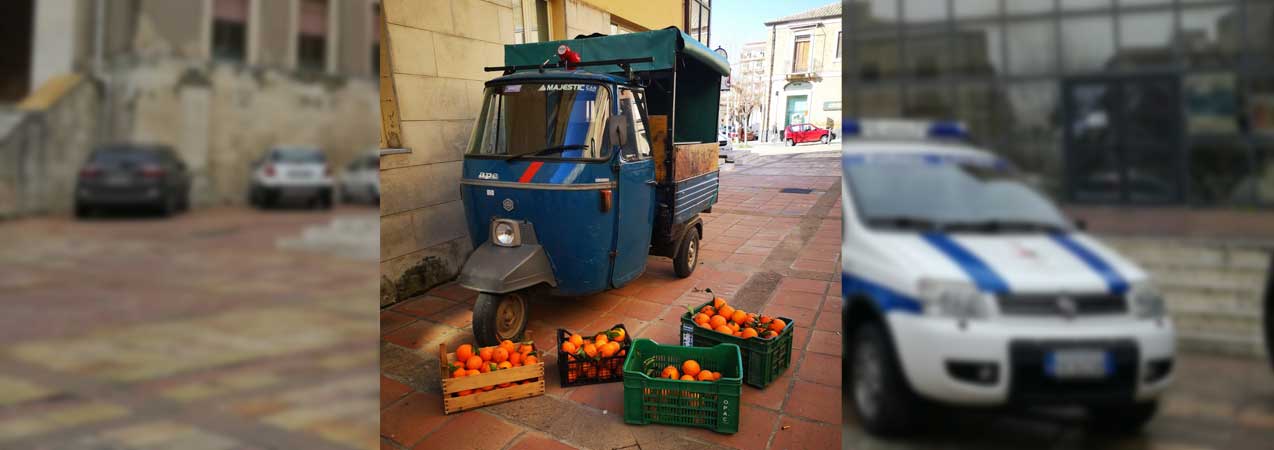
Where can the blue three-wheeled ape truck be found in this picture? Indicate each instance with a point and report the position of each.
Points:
(588, 155)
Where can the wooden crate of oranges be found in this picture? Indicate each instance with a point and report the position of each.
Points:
(598, 359)
(765, 342)
(474, 377)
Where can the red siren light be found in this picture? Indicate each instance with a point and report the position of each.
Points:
(567, 57)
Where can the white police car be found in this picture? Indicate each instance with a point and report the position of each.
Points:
(965, 286)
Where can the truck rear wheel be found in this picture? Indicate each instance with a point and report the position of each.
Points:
(687, 254)
(881, 398)
(497, 317)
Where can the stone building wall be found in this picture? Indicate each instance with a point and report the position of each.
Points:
(438, 49)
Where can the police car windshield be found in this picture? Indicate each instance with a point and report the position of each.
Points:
(542, 120)
(948, 196)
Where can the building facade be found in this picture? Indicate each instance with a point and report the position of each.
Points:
(1130, 102)
(219, 80)
(743, 101)
(431, 89)
(804, 70)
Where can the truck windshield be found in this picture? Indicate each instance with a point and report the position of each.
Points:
(948, 197)
(545, 120)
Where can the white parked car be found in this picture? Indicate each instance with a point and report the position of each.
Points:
(291, 173)
(964, 286)
(360, 180)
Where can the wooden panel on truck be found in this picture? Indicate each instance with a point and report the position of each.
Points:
(692, 160)
(658, 141)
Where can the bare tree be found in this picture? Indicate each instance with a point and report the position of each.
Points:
(745, 100)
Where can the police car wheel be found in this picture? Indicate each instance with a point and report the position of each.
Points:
(881, 400)
(1121, 419)
(497, 317)
(687, 254)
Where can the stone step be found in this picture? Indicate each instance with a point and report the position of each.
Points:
(1179, 303)
(1219, 324)
(1222, 343)
(1168, 253)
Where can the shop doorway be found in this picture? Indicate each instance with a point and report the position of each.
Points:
(1124, 139)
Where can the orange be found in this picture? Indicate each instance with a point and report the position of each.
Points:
(748, 333)
(723, 330)
(705, 325)
(701, 318)
(717, 321)
(769, 334)
(473, 363)
(705, 375)
(739, 317)
(726, 311)
(515, 358)
(459, 372)
(505, 365)
(486, 367)
(618, 335)
(463, 352)
(716, 376)
(501, 355)
(485, 353)
(708, 309)
(469, 373)
(600, 339)
(670, 372)
(531, 359)
(610, 349)
(569, 348)
(777, 325)
(765, 320)
(577, 340)
(718, 302)
(690, 367)
(508, 346)
(687, 378)
(465, 392)
(590, 349)
(734, 327)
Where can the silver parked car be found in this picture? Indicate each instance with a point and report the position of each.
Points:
(359, 181)
(291, 173)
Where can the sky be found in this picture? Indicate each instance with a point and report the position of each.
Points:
(735, 22)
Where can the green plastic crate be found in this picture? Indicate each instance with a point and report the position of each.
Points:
(650, 399)
(764, 360)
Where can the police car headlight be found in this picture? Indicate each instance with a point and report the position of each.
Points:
(505, 233)
(1146, 301)
(953, 299)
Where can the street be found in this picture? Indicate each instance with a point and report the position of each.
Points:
(777, 252)
(222, 328)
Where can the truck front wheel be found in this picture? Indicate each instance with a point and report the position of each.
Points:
(687, 254)
(499, 317)
(884, 404)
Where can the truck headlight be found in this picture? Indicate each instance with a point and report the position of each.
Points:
(505, 233)
(953, 299)
(1146, 301)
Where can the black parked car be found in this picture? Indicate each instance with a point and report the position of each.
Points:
(127, 175)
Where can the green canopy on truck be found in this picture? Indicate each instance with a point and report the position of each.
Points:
(698, 77)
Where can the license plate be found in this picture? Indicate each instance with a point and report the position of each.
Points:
(1078, 363)
(118, 180)
(299, 174)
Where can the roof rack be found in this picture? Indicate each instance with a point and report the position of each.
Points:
(625, 64)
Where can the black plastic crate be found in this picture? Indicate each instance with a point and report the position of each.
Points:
(584, 371)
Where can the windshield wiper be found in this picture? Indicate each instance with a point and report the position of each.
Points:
(546, 150)
(997, 225)
(903, 222)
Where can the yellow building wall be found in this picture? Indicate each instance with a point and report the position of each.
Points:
(652, 14)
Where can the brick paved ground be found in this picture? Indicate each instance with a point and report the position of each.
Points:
(196, 332)
(775, 252)
(764, 250)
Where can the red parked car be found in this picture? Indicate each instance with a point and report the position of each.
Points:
(804, 132)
